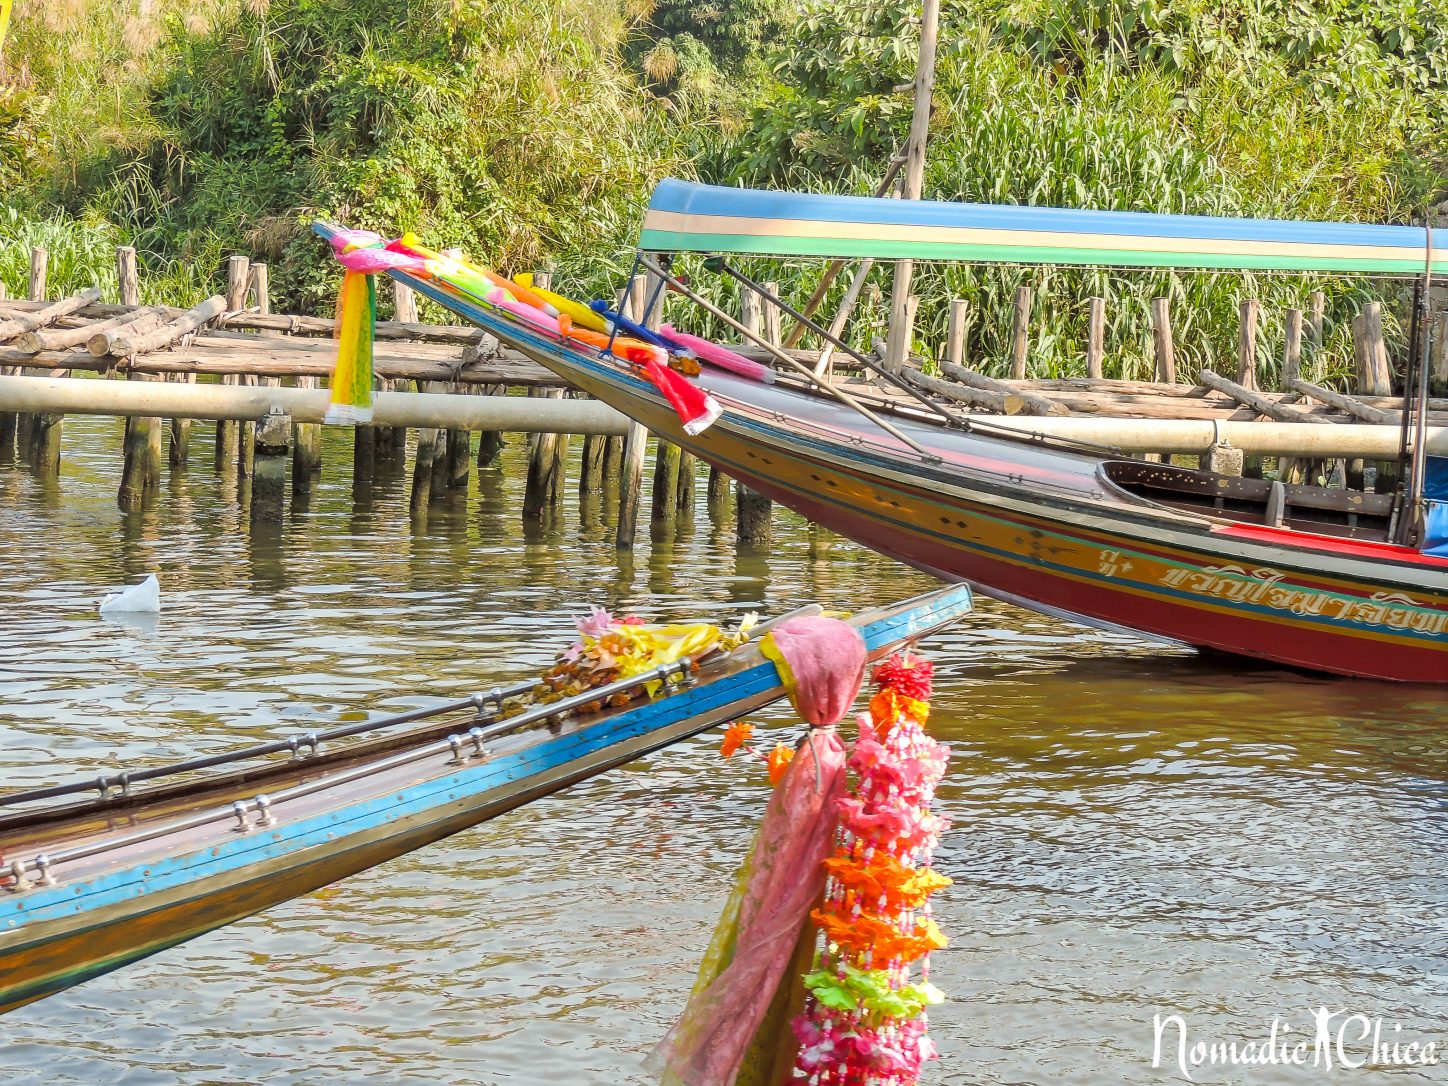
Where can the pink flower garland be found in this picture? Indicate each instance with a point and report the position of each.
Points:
(864, 1022)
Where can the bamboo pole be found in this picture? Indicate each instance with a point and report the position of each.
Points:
(897, 345)
(822, 366)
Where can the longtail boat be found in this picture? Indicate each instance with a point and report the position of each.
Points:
(101, 873)
(1312, 577)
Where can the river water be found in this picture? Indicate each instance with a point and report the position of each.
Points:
(1138, 831)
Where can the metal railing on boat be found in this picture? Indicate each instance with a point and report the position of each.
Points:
(671, 675)
(299, 746)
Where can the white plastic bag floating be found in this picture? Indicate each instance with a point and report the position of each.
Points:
(144, 597)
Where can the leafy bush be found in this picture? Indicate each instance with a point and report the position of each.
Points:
(1109, 105)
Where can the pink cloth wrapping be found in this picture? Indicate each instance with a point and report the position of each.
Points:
(827, 660)
(710, 352)
(784, 874)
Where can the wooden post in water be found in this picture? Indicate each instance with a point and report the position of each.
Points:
(422, 465)
(228, 431)
(666, 480)
(141, 469)
(269, 484)
(392, 440)
(668, 457)
(46, 430)
(306, 436)
(1095, 338)
(631, 466)
(1020, 333)
(1161, 336)
(897, 344)
(7, 418)
(543, 465)
(490, 442)
(752, 510)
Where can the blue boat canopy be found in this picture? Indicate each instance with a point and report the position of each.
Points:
(687, 217)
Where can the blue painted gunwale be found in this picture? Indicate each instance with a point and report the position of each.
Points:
(259, 846)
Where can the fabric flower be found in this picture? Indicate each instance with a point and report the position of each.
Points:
(598, 622)
(779, 759)
(906, 674)
(735, 736)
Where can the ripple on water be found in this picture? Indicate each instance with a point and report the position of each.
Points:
(1137, 830)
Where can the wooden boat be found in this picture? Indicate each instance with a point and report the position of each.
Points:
(1303, 576)
(102, 873)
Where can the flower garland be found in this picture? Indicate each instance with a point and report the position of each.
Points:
(611, 648)
(864, 1021)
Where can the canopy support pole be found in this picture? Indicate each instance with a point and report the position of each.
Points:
(804, 371)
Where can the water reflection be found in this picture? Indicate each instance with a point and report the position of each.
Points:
(1137, 829)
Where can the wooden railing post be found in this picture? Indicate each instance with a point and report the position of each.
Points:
(1020, 333)
(1095, 338)
(1161, 336)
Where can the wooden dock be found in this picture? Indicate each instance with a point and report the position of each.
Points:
(260, 377)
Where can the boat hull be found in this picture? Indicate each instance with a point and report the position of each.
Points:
(153, 896)
(1038, 527)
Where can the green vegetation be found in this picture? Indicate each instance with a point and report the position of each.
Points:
(531, 133)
